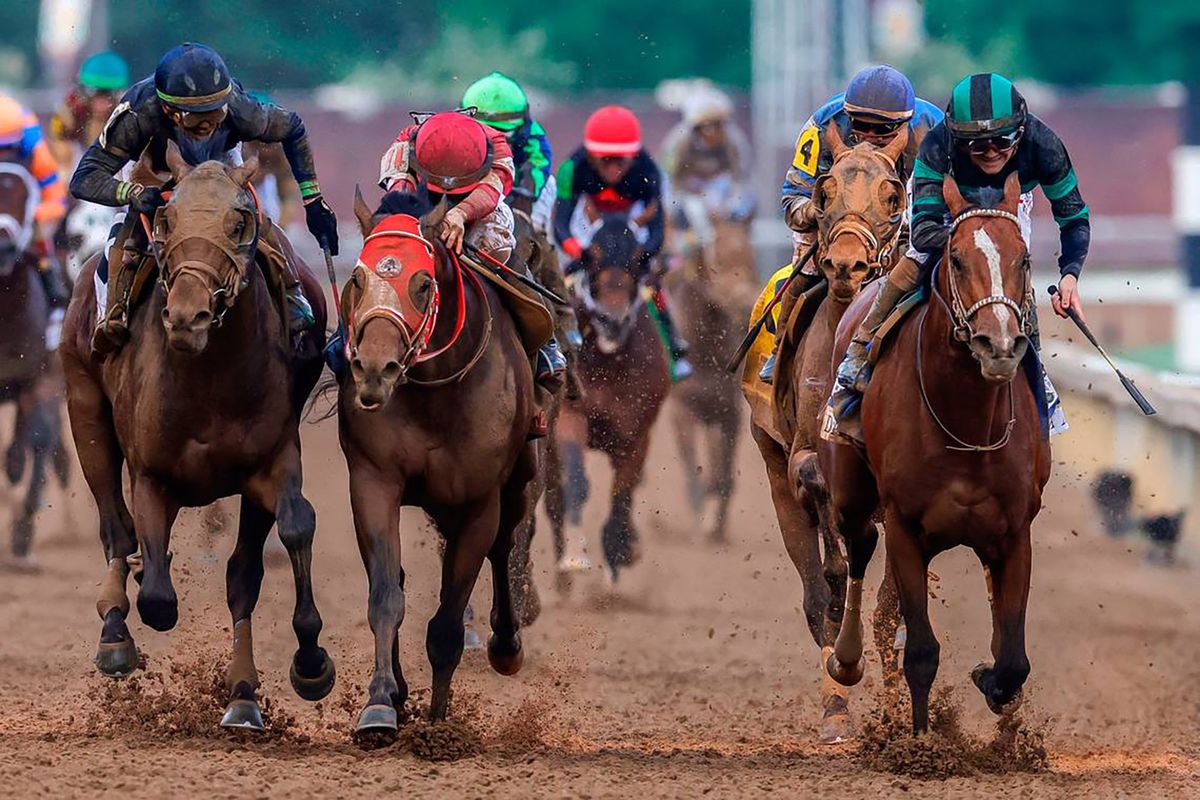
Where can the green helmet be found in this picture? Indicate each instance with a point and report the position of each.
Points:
(501, 101)
(985, 104)
(105, 72)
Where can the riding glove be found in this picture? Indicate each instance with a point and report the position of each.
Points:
(322, 224)
(146, 200)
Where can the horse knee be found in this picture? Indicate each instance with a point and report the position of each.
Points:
(444, 641)
(297, 521)
(920, 662)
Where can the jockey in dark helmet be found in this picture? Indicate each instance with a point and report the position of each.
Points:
(878, 102)
(987, 134)
(191, 101)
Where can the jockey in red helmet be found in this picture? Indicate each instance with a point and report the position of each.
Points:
(454, 155)
(614, 173)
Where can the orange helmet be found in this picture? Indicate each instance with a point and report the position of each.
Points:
(13, 121)
(452, 152)
(612, 131)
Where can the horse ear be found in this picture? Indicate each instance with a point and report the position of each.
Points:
(954, 199)
(1012, 192)
(176, 163)
(833, 140)
(362, 212)
(246, 173)
(896, 146)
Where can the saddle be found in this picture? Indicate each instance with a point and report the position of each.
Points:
(793, 328)
(535, 324)
(885, 331)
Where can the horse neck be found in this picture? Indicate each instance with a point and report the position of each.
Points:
(477, 313)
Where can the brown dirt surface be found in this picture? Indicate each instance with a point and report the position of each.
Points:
(696, 678)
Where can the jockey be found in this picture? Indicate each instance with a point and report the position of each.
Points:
(987, 134)
(21, 143)
(502, 105)
(192, 101)
(103, 78)
(877, 103)
(612, 172)
(471, 165)
(707, 158)
(277, 190)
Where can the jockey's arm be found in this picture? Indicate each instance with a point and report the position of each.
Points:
(1061, 187)
(266, 122)
(928, 231)
(564, 207)
(796, 191)
(124, 137)
(53, 204)
(539, 156)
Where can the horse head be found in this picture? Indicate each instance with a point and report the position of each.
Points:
(205, 238)
(19, 195)
(391, 302)
(986, 276)
(610, 292)
(860, 208)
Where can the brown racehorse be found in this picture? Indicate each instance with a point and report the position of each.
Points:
(623, 369)
(713, 301)
(434, 412)
(203, 403)
(25, 377)
(955, 452)
(859, 206)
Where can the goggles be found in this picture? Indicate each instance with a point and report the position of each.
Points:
(870, 127)
(1000, 142)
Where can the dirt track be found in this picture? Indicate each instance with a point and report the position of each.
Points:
(696, 677)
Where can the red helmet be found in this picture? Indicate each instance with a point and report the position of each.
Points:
(612, 131)
(452, 152)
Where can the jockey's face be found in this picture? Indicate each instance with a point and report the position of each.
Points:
(991, 154)
(611, 168)
(875, 132)
(711, 133)
(197, 124)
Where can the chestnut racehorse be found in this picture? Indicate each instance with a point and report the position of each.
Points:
(859, 205)
(434, 412)
(956, 453)
(204, 402)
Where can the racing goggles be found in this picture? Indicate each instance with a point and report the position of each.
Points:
(872, 127)
(1002, 142)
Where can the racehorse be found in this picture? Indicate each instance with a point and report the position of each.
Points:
(623, 369)
(713, 301)
(859, 205)
(25, 377)
(203, 403)
(434, 412)
(956, 449)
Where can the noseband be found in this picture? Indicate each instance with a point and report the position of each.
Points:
(959, 313)
(882, 254)
(624, 326)
(20, 231)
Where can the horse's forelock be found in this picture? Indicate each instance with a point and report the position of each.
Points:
(617, 244)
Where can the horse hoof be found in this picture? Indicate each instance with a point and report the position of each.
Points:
(117, 659)
(984, 679)
(377, 718)
(836, 728)
(505, 657)
(471, 640)
(314, 689)
(845, 674)
(243, 715)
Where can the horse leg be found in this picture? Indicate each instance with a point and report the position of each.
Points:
(526, 602)
(619, 538)
(685, 434)
(100, 458)
(504, 645)
(1001, 683)
(312, 673)
(886, 625)
(921, 649)
(243, 582)
(376, 505)
(723, 439)
(40, 438)
(470, 533)
(154, 512)
(571, 547)
(14, 457)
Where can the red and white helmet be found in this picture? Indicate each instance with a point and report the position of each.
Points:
(452, 152)
(612, 131)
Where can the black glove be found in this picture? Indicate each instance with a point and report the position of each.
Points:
(322, 224)
(147, 200)
(50, 272)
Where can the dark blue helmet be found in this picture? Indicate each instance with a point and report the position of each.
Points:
(192, 77)
(881, 92)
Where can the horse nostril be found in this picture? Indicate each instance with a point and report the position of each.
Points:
(202, 318)
(391, 370)
(356, 366)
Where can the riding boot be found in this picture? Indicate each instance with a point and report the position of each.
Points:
(803, 282)
(681, 368)
(300, 312)
(551, 364)
(112, 331)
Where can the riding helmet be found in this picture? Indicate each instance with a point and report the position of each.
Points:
(193, 77)
(985, 104)
(452, 152)
(612, 131)
(880, 92)
(501, 102)
(104, 72)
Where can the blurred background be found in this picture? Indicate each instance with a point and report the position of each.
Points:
(1118, 81)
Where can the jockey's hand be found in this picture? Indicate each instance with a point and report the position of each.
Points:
(572, 248)
(453, 229)
(1067, 297)
(147, 199)
(322, 224)
(804, 218)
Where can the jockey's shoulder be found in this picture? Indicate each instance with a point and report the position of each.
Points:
(828, 110)
(926, 114)
(534, 128)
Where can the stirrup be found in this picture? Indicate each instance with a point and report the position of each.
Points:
(539, 426)
(767, 373)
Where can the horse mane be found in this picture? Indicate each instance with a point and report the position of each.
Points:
(617, 245)
(414, 204)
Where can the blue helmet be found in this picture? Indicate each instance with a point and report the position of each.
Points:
(192, 77)
(881, 92)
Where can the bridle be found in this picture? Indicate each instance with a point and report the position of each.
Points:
(224, 287)
(960, 318)
(882, 253)
(20, 231)
(625, 324)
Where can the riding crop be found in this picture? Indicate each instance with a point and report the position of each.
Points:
(757, 327)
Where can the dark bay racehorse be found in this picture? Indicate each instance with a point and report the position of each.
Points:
(25, 375)
(434, 412)
(713, 302)
(623, 369)
(859, 205)
(203, 403)
(955, 451)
